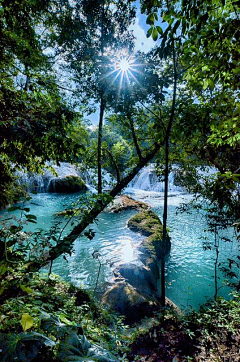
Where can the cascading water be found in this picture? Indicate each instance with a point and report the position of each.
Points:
(148, 180)
(46, 182)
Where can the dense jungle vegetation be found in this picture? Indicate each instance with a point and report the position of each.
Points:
(178, 104)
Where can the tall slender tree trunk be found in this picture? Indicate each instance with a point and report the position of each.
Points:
(166, 177)
(134, 137)
(102, 109)
(165, 211)
(216, 246)
(100, 134)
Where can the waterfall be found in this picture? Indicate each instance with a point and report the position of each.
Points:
(33, 182)
(148, 180)
(43, 183)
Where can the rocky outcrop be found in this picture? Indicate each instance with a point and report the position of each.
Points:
(135, 291)
(125, 202)
(128, 301)
(68, 184)
(139, 277)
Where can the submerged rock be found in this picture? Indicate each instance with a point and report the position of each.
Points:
(139, 276)
(125, 202)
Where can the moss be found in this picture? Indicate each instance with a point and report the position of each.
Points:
(75, 180)
(148, 224)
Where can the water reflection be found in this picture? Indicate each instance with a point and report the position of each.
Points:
(127, 250)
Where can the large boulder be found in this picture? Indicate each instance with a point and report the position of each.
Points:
(67, 184)
(127, 301)
(140, 277)
(147, 223)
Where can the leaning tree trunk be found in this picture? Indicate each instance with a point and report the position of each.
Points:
(65, 244)
(134, 137)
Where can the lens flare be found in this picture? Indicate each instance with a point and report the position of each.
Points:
(124, 65)
(124, 71)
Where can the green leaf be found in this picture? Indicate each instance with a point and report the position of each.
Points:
(78, 348)
(159, 29)
(27, 321)
(27, 209)
(15, 228)
(3, 269)
(26, 289)
(149, 32)
(13, 208)
(150, 19)
(63, 318)
(16, 347)
(155, 34)
(205, 84)
(31, 216)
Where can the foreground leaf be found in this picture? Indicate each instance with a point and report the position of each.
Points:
(27, 321)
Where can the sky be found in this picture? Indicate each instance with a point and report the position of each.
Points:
(142, 43)
(140, 28)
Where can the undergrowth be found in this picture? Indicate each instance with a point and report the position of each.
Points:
(211, 334)
(52, 313)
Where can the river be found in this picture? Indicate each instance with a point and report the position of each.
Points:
(189, 268)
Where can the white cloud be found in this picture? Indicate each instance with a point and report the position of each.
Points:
(142, 43)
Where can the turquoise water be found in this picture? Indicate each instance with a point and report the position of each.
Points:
(189, 269)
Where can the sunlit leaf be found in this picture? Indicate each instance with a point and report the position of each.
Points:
(26, 322)
(26, 289)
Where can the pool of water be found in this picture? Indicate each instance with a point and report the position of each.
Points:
(189, 268)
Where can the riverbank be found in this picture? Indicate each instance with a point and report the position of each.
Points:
(46, 319)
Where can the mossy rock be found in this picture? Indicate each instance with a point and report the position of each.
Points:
(68, 184)
(147, 223)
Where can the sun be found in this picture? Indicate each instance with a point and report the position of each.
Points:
(124, 65)
(123, 71)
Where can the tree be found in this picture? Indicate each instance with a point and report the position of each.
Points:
(35, 120)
